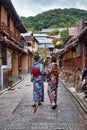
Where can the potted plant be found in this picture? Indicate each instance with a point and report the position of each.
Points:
(10, 81)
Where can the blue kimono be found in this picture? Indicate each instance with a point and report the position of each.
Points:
(38, 86)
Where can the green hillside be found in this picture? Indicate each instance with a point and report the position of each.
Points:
(54, 19)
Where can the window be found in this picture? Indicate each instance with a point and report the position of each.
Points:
(0, 56)
(48, 45)
(4, 55)
(0, 13)
(8, 22)
(9, 63)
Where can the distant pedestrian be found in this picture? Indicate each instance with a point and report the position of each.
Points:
(42, 61)
(38, 83)
(53, 82)
(48, 68)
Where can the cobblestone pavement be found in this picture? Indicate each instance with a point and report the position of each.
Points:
(16, 112)
(79, 95)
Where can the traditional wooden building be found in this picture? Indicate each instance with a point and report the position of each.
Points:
(11, 45)
(73, 57)
(31, 45)
(74, 52)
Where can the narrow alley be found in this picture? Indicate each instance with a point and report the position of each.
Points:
(16, 112)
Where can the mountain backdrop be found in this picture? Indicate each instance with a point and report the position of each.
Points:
(54, 19)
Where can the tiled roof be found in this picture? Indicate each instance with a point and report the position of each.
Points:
(45, 40)
(45, 30)
(27, 34)
(40, 35)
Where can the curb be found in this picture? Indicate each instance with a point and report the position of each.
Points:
(76, 97)
(13, 85)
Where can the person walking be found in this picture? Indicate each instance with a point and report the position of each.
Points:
(53, 82)
(38, 83)
(48, 69)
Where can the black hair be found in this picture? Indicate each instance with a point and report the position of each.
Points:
(54, 58)
(37, 57)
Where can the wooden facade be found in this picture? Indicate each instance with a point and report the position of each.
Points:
(31, 44)
(11, 44)
(73, 57)
(74, 54)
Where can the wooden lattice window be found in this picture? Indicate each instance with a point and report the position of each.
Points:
(0, 56)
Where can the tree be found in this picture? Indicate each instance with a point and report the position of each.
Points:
(53, 33)
(54, 18)
(59, 46)
(64, 35)
(44, 53)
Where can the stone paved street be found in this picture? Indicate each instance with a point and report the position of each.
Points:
(16, 112)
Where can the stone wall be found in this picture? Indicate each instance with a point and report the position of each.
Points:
(73, 77)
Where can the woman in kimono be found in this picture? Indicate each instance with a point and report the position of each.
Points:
(53, 82)
(38, 83)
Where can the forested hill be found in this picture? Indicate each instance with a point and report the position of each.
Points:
(54, 19)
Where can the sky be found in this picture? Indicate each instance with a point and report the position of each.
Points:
(28, 8)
